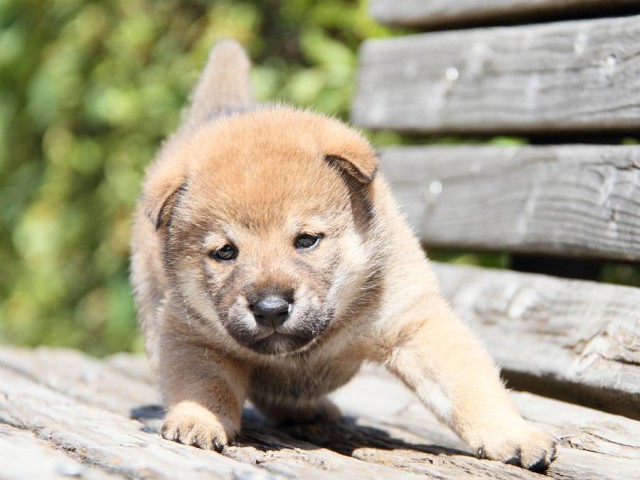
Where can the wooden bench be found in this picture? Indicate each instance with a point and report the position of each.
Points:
(64, 414)
(572, 88)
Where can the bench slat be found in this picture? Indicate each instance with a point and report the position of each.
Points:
(24, 456)
(119, 446)
(601, 445)
(445, 13)
(391, 435)
(567, 76)
(566, 200)
(264, 451)
(566, 338)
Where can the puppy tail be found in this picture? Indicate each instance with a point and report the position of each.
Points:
(225, 83)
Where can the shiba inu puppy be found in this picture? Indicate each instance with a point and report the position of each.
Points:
(270, 261)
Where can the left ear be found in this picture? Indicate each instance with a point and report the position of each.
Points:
(347, 150)
(362, 168)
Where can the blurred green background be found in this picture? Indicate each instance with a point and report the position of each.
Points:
(88, 89)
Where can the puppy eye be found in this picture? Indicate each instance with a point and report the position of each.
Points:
(307, 241)
(228, 252)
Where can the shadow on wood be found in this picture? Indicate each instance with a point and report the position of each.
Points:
(344, 437)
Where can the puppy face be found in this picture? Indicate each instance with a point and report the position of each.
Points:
(265, 236)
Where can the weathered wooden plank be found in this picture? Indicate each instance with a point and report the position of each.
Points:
(297, 452)
(393, 435)
(119, 445)
(565, 200)
(565, 76)
(106, 440)
(23, 456)
(593, 444)
(274, 449)
(445, 13)
(135, 367)
(81, 377)
(568, 338)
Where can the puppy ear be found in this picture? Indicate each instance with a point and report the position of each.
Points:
(361, 168)
(160, 192)
(347, 150)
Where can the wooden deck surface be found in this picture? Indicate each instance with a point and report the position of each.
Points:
(66, 415)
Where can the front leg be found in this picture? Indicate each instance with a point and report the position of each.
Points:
(204, 393)
(437, 356)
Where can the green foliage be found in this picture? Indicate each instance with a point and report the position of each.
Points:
(88, 91)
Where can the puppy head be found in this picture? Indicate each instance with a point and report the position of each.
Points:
(264, 218)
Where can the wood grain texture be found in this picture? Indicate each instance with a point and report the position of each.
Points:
(574, 339)
(24, 456)
(69, 373)
(121, 446)
(565, 200)
(445, 13)
(589, 438)
(387, 434)
(559, 77)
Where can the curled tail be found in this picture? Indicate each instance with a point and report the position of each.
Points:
(224, 84)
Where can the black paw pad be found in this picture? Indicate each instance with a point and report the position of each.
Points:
(515, 459)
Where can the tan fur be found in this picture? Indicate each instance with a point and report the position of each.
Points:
(256, 179)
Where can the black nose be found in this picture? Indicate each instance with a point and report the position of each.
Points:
(271, 311)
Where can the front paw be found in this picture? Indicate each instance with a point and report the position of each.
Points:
(516, 442)
(192, 424)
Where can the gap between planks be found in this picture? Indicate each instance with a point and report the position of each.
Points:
(445, 13)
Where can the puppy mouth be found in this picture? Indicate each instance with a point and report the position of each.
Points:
(293, 336)
(278, 342)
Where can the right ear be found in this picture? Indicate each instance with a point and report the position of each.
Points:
(161, 190)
